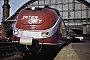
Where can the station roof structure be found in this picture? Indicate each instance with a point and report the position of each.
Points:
(74, 14)
(87, 3)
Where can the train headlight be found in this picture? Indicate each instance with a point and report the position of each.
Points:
(15, 32)
(45, 34)
(33, 8)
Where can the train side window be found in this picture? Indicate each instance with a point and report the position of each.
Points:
(63, 29)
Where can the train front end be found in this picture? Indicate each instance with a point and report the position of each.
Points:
(36, 27)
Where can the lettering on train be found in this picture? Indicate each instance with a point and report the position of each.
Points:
(32, 19)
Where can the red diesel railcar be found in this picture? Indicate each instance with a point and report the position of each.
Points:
(36, 27)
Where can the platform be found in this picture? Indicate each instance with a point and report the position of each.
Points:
(74, 51)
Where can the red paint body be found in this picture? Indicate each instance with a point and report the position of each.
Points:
(48, 17)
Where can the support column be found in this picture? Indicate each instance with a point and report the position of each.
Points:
(6, 8)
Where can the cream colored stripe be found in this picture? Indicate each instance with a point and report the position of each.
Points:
(51, 43)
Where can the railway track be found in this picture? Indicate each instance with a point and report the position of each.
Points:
(6, 47)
